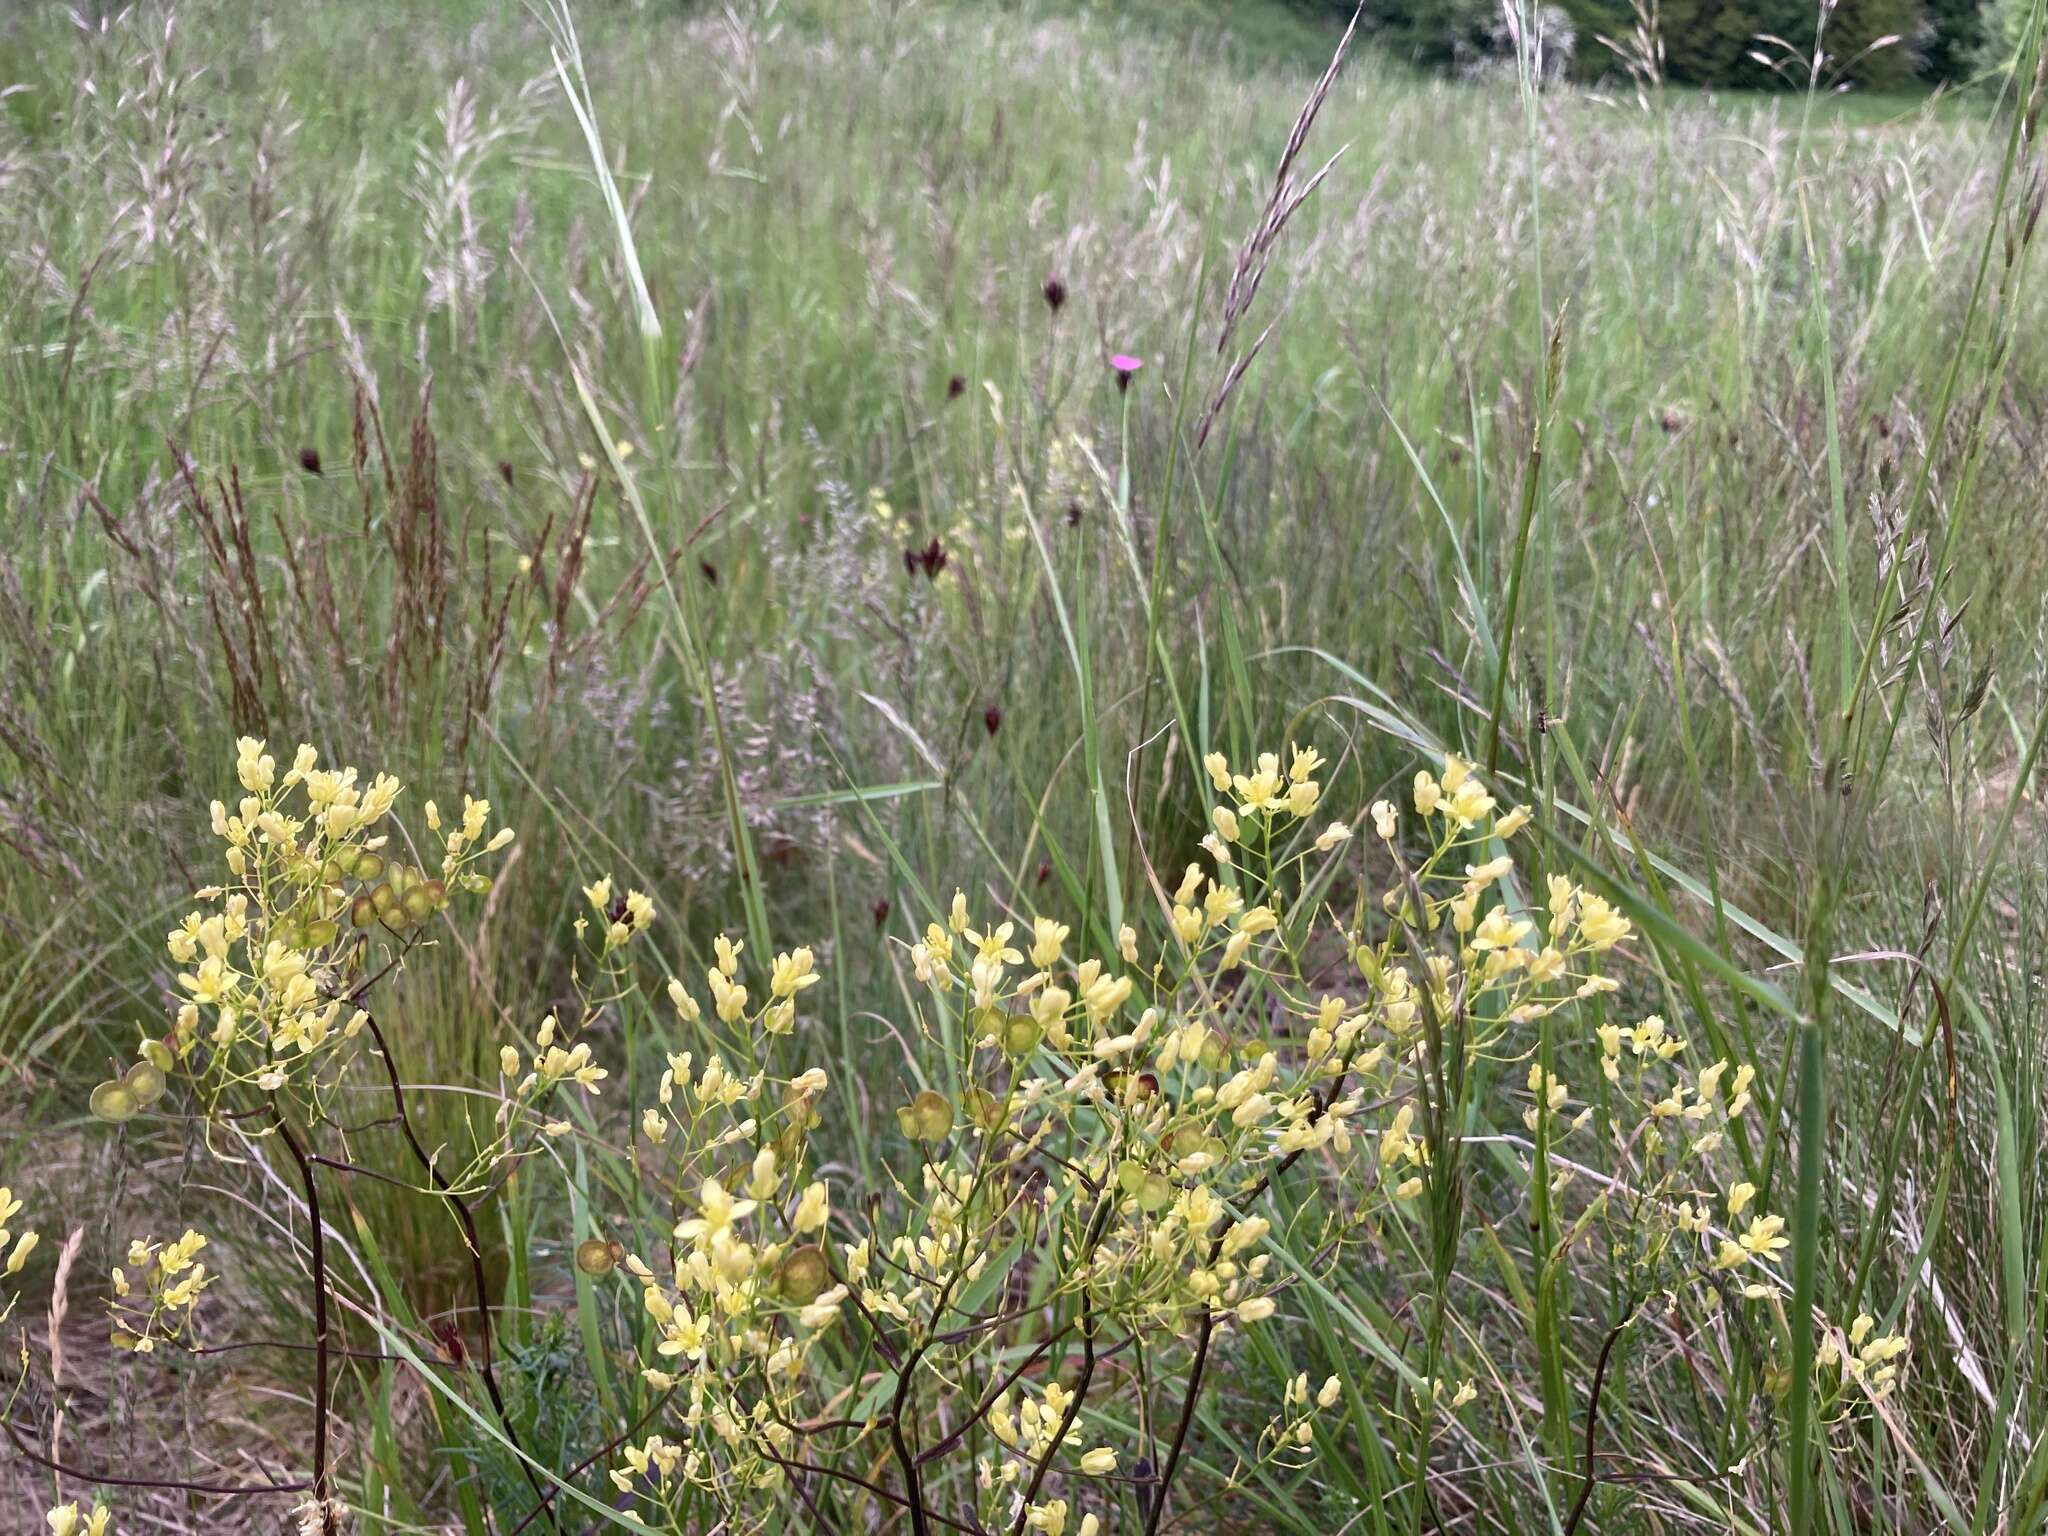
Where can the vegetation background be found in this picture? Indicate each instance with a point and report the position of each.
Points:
(309, 313)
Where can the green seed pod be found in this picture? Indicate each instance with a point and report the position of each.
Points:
(362, 912)
(384, 900)
(401, 878)
(157, 1054)
(801, 1109)
(319, 933)
(594, 1256)
(984, 1109)
(1020, 1034)
(1213, 1057)
(145, 1082)
(1155, 1194)
(331, 873)
(1130, 1176)
(368, 865)
(476, 885)
(289, 934)
(346, 858)
(788, 1145)
(932, 1115)
(437, 893)
(419, 906)
(803, 1274)
(114, 1102)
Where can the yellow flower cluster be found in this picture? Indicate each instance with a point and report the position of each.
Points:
(158, 1300)
(268, 958)
(67, 1520)
(1862, 1356)
(14, 1251)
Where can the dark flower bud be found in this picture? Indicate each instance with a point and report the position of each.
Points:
(1055, 294)
(992, 718)
(309, 460)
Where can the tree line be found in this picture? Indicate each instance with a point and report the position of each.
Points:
(1746, 44)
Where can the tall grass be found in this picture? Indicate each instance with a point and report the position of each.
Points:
(548, 406)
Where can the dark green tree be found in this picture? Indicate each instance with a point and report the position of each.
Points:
(1955, 36)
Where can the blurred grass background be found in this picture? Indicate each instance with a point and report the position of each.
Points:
(297, 306)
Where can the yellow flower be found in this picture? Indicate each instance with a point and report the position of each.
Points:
(1500, 931)
(716, 1212)
(1218, 767)
(1099, 1462)
(1428, 795)
(1764, 1238)
(1261, 790)
(1600, 925)
(813, 1209)
(792, 973)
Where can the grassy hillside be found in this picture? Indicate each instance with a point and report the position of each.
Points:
(779, 545)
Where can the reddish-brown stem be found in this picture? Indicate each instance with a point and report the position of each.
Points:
(322, 1479)
(1593, 1422)
(478, 1279)
(115, 1480)
(842, 1475)
(1207, 1333)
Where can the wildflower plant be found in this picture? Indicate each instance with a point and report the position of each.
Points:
(1108, 1168)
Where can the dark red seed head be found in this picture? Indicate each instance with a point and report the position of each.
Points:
(992, 718)
(309, 460)
(1044, 870)
(931, 560)
(1073, 514)
(1055, 294)
(505, 470)
(710, 571)
(956, 386)
(881, 910)
(450, 1338)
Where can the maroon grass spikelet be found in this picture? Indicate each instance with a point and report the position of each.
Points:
(992, 717)
(309, 460)
(931, 560)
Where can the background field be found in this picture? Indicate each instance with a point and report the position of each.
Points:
(298, 307)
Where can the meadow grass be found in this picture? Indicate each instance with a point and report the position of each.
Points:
(356, 390)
